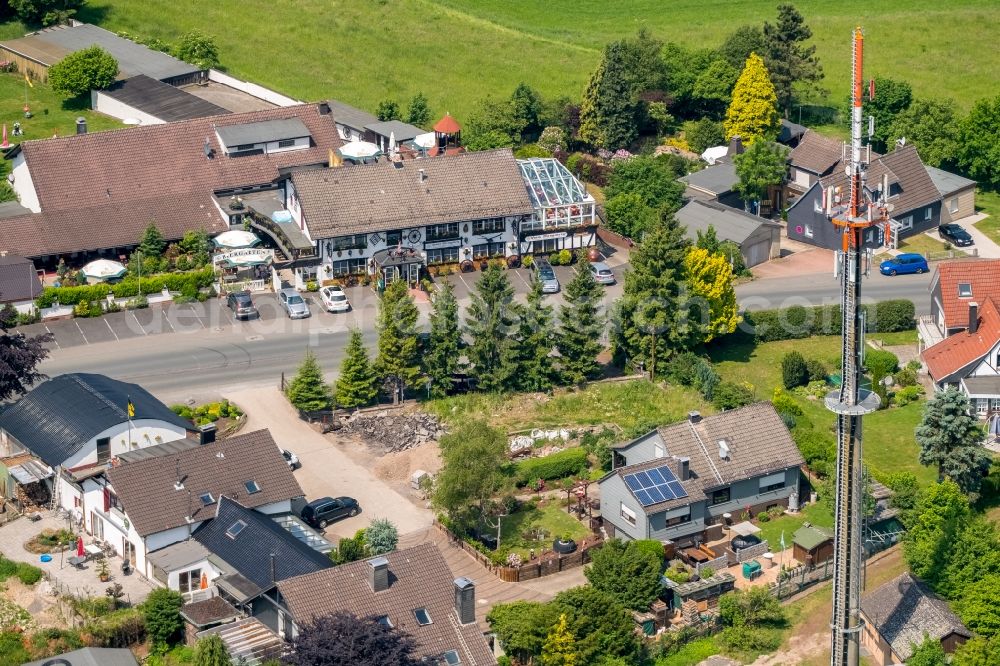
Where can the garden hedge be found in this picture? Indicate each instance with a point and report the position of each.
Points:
(553, 466)
(127, 288)
(802, 322)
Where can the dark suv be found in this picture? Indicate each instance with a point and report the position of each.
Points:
(320, 513)
(241, 304)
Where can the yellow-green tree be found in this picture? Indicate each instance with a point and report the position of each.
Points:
(710, 279)
(753, 113)
(559, 648)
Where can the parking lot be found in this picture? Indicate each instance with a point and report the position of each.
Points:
(520, 279)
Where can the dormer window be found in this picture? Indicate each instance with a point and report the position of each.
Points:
(965, 290)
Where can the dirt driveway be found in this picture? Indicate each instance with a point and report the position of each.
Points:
(326, 469)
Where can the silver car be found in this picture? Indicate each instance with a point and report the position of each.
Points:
(602, 273)
(547, 276)
(295, 306)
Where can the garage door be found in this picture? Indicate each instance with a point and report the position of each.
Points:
(756, 253)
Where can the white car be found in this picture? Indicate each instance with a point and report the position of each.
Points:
(334, 299)
(291, 459)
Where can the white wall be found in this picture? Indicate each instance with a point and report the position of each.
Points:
(101, 101)
(145, 432)
(23, 185)
(257, 91)
(173, 577)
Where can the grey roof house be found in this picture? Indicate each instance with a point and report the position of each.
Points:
(713, 182)
(411, 589)
(957, 193)
(89, 657)
(677, 481)
(151, 101)
(759, 238)
(898, 614)
(19, 282)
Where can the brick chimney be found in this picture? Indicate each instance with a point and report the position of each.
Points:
(735, 146)
(465, 600)
(973, 317)
(683, 468)
(378, 574)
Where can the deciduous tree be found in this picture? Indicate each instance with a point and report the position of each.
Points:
(80, 72)
(527, 107)
(789, 60)
(753, 113)
(307, 390)
(397, 362)
(388, 109)
(978, 651)
(979, 143)
(493, 124)
(344, 639)
(892, 97)
(442, 359)
(930, 652)
(44, 12)
(740, 43)
(940, 516)
(682, 66)
(558, 649)
(490, 321)
(950, 439)
(652, 178)
(932, 127)
(357, 384)
(20, 356)
(535, 371)
(521, 627)
(704, 133)
(602, 627)
(162, 610)
(710, 279)
(713, 89)
(198, 49)
(626, 572)
(628, 214)
(762, 167)
(418, 113)
(475, 461)
(578, 338)
(211, 651)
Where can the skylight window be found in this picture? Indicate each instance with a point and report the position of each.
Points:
(965, 290)
(235, 529)
(207, 499)
(451, 658)
(252, 487)
(423, 617)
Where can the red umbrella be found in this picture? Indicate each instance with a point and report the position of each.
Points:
(6, 143)
(79, 547)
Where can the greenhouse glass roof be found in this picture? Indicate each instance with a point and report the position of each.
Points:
(550, 183)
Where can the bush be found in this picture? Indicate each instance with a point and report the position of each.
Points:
(651, 546)
(527, 261)
(565, 257)
(785, 404)
(906, 376)
(553, 466)
(162, 614)
(817, 371)
(731, 396)
(800, 322)
(880, 363)
(119, 629)
(27, 574)
(905, 396)
(892, 316)
(763, 517)
(127, 288)
(793, 370)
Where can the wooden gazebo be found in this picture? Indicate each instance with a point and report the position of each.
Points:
(448, 132)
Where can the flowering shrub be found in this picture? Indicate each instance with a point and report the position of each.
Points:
(621, 154)
(604, 154)
(7, 66)
(513, 560)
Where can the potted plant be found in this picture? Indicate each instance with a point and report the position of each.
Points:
(564, 544)
(103, 572)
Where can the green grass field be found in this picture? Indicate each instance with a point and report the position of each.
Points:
(52, 114)
(457, 51)
(989, 203)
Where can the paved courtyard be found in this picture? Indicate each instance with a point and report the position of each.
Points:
(66, 578)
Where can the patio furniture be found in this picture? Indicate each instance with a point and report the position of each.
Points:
(752, 569)
(93, 551)
(77, 561)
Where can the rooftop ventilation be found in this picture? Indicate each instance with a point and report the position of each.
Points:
(694, 416)
(724, 449)
(178, 485)
(423, 174)
(220, 455)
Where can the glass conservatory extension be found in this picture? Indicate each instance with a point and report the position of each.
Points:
(559, 199)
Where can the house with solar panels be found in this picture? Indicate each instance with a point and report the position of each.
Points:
(679, 483)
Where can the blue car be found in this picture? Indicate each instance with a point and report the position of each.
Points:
(903, 264)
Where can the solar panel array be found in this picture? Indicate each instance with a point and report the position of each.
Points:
(655, 485)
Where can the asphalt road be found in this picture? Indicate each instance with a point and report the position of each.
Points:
(196, 350)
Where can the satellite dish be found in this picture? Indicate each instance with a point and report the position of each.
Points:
(890, 207)
(132, 121)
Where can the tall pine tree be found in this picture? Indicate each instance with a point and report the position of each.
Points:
(950, 439)
(710, 279)
(789, 60)
(534, 342)
(652, 318)
(753, 113)
(307, 390)
(441, 361)
(397, 363)
(490, 320)
(357, 384)
(580, 326)
(608, 113)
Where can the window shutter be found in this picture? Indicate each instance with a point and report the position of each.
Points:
(107, 500)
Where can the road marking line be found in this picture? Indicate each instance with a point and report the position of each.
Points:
(167, 320)
(137, 322)
(110, 329)
(49, 331)
(518, 274)
(463, 280)
(85, 340)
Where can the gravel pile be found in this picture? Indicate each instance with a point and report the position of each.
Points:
(387, 434)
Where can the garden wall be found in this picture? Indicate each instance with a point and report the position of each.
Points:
(257, 91)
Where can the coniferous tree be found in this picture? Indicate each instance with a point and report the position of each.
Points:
(580, 326)
(652, 316)
(753, 113)
(710, 279)
(490, 321)
(211, 651)
(357, 384)
(609, 113)
(397, 363)
(534, 342)
(152, 243)
(558, 649)
(388, 109)
(307, 390)
(441, 361)
(950, 439)
(789, 60)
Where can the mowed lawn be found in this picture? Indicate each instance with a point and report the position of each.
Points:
(458, 51)
(51, 113)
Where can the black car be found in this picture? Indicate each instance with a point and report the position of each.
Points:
(955, 235)
(320, 513)
(241, 304)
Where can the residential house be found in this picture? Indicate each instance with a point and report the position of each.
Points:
(791, 133)
(716, 182)
(679, 482)
(353, 124)
(19, 283)
(143, 505)
(954, 285)
(79, 422)
(758, 238)
(899, 614)
(36, 52)
(409, 589)
(89, 657)
(915, 202)
(958, 194)
(813, 158)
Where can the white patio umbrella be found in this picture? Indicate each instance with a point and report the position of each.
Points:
(392, 143)
(425, 141)
(236, 238)
(357, 150)
(104, 269)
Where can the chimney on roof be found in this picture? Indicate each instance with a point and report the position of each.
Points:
(735, 146)
(465, 600)
(81, 125)
(206, 433)
(683, 468)
(973, 317)
(694, 416)
(273, 557)
(324, 109)
(378, 574)
(423, 174)
(208, 149)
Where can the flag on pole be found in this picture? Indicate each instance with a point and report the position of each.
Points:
(782, 539)
(28, 81)
(131, 409)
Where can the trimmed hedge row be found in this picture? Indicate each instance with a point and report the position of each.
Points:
(186, 283)
(553, 466)
(802, 322)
